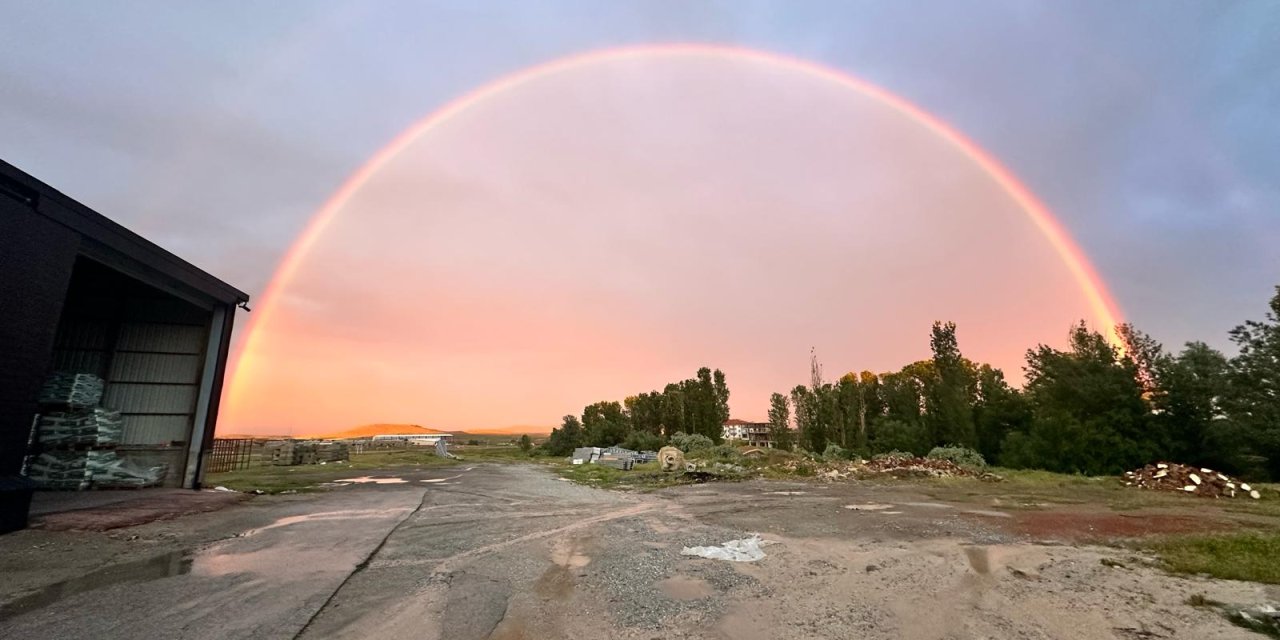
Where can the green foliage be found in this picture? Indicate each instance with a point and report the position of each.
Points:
(687, 442)
(1233, 556)
(566, 438)
(642, 441)
(716, 453)
(893, 453)
(780, 422)
(606, 424)
(835, 452)
(526, 443)
(962, 456)
(1252, 399)
(1088, 409)
(889, 434)
(949, 391)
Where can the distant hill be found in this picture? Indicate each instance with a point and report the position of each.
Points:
(370, 430)
(516, 430)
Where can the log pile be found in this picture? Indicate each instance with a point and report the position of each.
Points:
(1171, 476)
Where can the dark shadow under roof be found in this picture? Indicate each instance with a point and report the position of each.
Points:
(111, 244)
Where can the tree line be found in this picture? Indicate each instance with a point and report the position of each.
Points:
(698, 405)
(1094, 408)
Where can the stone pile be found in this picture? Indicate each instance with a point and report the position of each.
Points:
(1171, 476)
(917, 466)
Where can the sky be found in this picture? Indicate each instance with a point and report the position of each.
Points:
(482, 280)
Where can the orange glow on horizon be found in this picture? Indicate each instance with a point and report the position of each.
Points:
(247, 361)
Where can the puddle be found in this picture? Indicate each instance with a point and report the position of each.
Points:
(163, 566)
(928, 505)
(868, 507)
(993, 514)
(373, 480)
(979, 559)
(685, 588)
(325, 515)
(784, 493)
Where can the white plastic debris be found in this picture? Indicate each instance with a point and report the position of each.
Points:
(1245, 487)
(222, 488)
(1255, 495)
(1162, 466)
(744, 550)
(1189, 488)
(1195, 478)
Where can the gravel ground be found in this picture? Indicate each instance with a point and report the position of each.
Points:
(514, 552)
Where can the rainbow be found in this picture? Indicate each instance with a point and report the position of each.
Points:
(1100, 301)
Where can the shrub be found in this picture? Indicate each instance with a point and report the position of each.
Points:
(718, 453)
(687, 442)
(836, 452)
(893, 454)
(643, 441)
(962, 456)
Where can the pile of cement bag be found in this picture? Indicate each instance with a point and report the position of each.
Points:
(1171, 476)
(77, 390)
(95, 426)
(60, 470)
(80, 470)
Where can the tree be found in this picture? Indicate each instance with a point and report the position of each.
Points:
(1148, 356)
(1188, 408)
(673, 411)
(1252, 398)
(948, 392)
(851, 413)
(645, 412)
(566, 438)
(808, 419)
(1088, 407)
(605, 423)
(780, 421)
(998, 410)
(721, 390)
(526, 443)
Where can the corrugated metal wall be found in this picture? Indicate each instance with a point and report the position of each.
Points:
(149, 348)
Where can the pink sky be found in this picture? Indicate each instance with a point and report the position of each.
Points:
(606, 230)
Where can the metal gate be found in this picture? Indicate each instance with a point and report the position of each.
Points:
(230, 454)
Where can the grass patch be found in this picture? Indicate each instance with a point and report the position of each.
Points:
(1252, 556)
(272, 479)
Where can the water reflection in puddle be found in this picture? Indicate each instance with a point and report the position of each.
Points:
(162, 566)
(373, 480)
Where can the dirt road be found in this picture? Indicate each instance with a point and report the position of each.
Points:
(514, 552)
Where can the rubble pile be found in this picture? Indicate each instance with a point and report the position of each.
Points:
(917, 466)
(1171, 476)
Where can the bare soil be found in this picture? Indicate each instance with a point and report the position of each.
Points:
(513, 552)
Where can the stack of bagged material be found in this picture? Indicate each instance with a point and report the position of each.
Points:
(95, 426)
(79, 390)
(108, 470)
(290, 452)
(1171, 476)
(333, 451)
(80, 470)
(61, 470)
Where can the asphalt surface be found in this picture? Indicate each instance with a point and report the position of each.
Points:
(510, 551)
